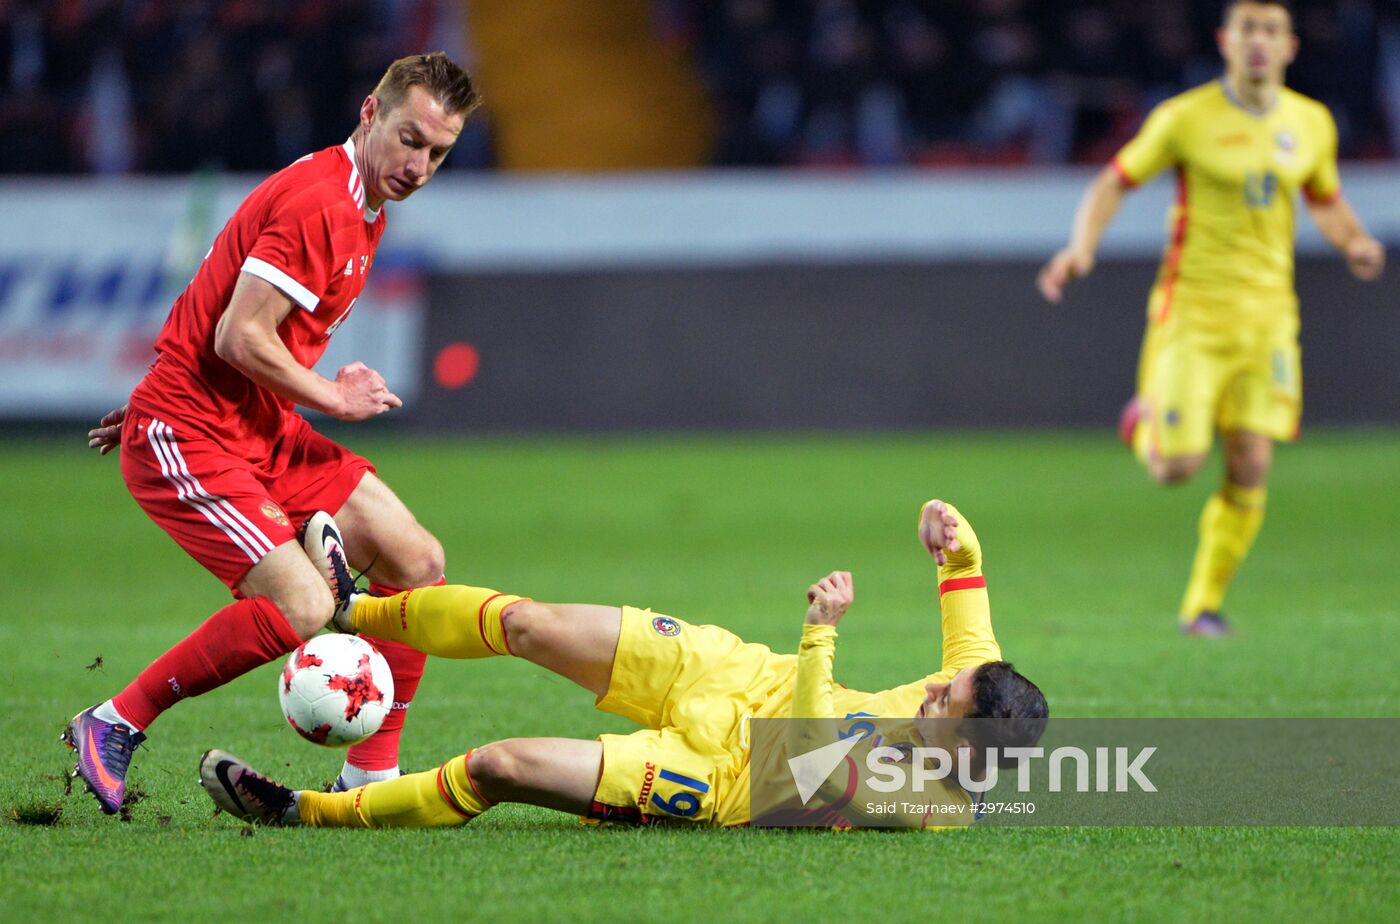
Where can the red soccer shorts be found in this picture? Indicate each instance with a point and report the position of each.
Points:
(226, 512)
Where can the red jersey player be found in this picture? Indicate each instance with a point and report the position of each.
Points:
(214, 451)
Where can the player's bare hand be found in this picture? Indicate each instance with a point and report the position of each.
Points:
(1365, 258)
(938, 530)
(107, 435)
(1063, 267)
(829, 598)
(363, 393)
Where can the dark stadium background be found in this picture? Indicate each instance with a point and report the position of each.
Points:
(683, 188)
(251, 84)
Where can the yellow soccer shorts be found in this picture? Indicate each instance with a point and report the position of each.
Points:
(1195, 379)
(694, 687)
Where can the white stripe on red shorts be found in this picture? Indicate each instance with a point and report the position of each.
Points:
(216, 510)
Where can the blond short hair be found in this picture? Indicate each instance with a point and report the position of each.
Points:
(449, 84)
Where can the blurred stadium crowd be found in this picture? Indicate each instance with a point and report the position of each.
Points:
(1005, 81)
(161, 86)
(118, 86)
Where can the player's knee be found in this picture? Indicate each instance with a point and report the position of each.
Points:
(494, 767)
(1249, 476)
(425, 563)
(307, 606)
(529, 626)
(1249, 468)
(1168, 476)
(1175, 470)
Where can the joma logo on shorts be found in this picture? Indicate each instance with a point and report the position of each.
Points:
(647, 782)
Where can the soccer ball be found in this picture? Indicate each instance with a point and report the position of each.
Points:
(336, 690)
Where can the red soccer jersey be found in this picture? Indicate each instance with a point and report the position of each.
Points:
(307, 231)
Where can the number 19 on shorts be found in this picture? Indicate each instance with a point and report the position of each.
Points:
(674, 793)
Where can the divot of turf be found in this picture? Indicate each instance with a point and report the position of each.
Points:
(36, 813)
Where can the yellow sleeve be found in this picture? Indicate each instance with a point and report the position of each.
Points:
(967, 613)
(1324, 184)
(811, 699)
(811, 696)
(1152, 149)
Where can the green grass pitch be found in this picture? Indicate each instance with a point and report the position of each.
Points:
(1085, 561)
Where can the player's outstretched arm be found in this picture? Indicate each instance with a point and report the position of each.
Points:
(1076, 260)
(968, 639)
(1338, 223)
(107, 435)
(246, 338)
(827, 601)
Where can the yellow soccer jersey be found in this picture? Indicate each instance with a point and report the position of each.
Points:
(809, 691)
(1231, 231)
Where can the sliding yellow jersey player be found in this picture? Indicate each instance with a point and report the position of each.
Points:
(691, 687)
(1221, 349)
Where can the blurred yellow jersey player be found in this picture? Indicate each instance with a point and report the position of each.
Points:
(1221, 349)
(692, 688)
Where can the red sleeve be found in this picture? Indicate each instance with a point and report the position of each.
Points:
(294, 249)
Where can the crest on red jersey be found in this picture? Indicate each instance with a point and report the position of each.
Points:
(274, 513)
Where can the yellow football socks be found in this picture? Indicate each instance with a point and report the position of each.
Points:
(432, 799)
(449, 621)
(1229, 523)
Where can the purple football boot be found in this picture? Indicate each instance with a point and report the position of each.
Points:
(1207, 624)
(104, 753)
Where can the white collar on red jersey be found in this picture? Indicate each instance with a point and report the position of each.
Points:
(356, 186)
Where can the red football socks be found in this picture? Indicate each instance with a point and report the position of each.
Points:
(381, 750)
(233, 641)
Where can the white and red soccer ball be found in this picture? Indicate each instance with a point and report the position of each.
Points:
(336, 690)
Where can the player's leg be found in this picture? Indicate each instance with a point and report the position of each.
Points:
(214, 508)
(556, 773)
(1248, 458)
(383, 539)
(1169, 422)
(1229, 524)
(1176, 469)
(1182, 383)
(575, 640)
(1260, 405)
(284, 602)
(636, 779)
(635, 661)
